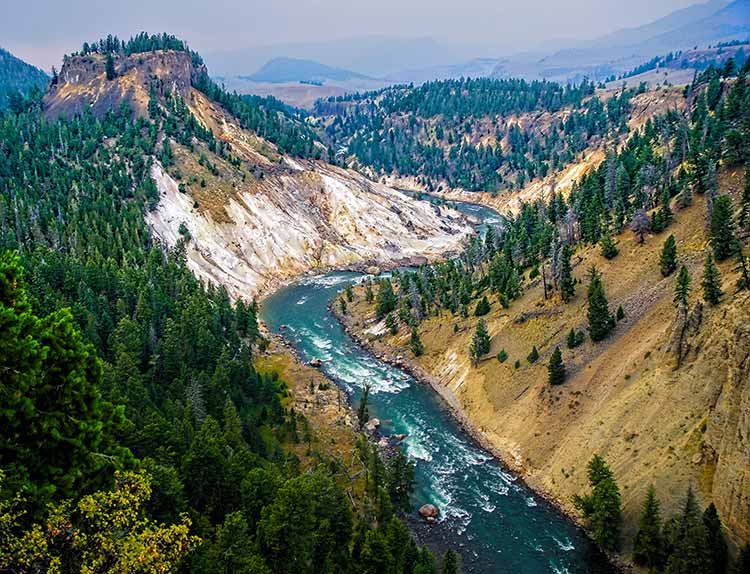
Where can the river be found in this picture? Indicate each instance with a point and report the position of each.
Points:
(487, 514)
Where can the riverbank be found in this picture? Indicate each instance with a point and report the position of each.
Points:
(395, 357)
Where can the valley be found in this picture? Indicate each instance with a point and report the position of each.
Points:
(479, 324)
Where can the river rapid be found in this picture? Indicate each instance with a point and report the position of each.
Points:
(487, 514)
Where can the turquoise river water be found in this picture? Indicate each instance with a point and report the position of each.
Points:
(487, 514)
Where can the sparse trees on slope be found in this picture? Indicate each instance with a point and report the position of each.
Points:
(711, 281)
(682, 288)
(480, 343)
(608, 245)
(723, 237)
(556, 368)
(415, 343)
(601, 508)
(567, 283)
(668, 258)
(601, 321)
(482, 308)
(648, 547)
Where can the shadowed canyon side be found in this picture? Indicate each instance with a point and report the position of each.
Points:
(262, 217)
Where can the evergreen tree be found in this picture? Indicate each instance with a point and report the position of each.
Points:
(533, 356)
(682, 288)
(609, 247)
(567, 283)
(620, 314)
(601, 321)
(648, 547)
(744, 219)
(575, 338)
(363, 413)
(601, 508)
(386, 300)
(690, 551)
(743, 267)
(109, 67)
(723, 238)
(556, 368)
(415, 343)
(480, 343)
(450, 562)
(668, 258)
(717, 544)
(391, 323)
(711, 281)
(482, 308)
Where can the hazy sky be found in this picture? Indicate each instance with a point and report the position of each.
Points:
(40, 31)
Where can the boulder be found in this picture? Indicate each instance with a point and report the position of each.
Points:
(399, 437)
(429, 512)
(372, 424)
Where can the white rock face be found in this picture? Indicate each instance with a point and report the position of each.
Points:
(313, 217)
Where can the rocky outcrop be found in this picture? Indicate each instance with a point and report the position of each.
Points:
(82, 82)
(429, 512)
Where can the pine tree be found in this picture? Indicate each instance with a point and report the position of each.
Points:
(609, 247)
(620, 314)
(415, 343)
(682, 288)
(723, 238)
(575, 338)
(668, 258)
(640, 225)
(482, 308)
(717, 544)
(450, 562)
(556, 368)
(391, 323)
(690, 551)
(533, 356)
(744, 218)
(648, 547)
(480, 343)
(386, 300)
(601, 508)
(109, 67)
(567, 283)
(711, 281)
(363, 413)
(601, 321)
(743, 267)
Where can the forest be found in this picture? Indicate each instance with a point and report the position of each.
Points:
(638, 187)
(460, 133)
(138, 435)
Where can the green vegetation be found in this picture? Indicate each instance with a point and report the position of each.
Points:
(480, 343)
(601, 508)
(17, 80)
(132, 398)
(668, 257)
(601, 321)
(556, 368)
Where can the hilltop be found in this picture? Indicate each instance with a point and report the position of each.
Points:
(249, 211)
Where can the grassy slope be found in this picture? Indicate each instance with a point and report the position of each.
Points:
(623, 398)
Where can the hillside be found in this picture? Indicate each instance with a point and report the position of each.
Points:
(18, 76)
(661, 394)
(136, 394)
(248, 215)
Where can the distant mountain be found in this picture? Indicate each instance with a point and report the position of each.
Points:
(670, 22)
(618, 52)
(17, 76)
(283, 69)
(374, 56)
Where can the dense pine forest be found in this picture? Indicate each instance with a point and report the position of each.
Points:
(638, 188)
(137, 434)
(18, 78)
(462, 133)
